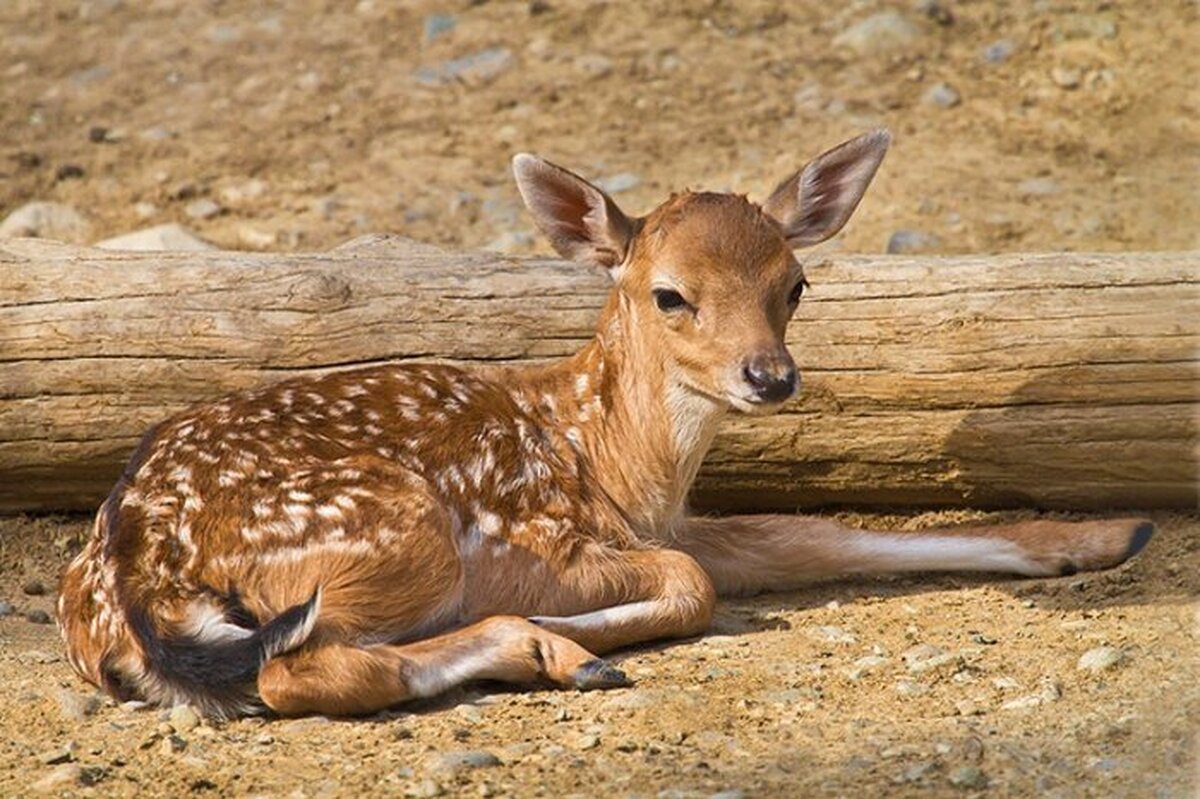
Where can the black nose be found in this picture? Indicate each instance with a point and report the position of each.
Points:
(772, 382)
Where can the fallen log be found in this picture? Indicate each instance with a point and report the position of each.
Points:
(1064, 380)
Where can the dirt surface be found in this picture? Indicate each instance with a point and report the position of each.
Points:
(306, 123)
(766, 705)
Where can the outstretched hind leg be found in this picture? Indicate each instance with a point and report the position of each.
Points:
(345, 679)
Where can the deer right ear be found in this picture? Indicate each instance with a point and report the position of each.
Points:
(581, 221)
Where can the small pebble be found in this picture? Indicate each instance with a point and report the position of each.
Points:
(184, 718)
(943, 95)
(62, 777)
(588, 742)
(38, 617)
(439, 24)
(998, 52)
(204, 208)
(77, 706)
(34, 587)
(968, 777)
(172, 744)
(6, 608)
(904, 242)
(458, 761)
(832, 634)
(622, 181)
(1102, 658)
(1066, 77)
(69, 172)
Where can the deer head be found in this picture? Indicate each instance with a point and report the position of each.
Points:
(708, 281)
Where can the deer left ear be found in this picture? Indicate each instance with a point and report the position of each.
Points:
(817, 201)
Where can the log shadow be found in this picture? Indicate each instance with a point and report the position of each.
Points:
(1095, 435)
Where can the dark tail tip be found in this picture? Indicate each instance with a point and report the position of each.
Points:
(1141, 536)
(218, 676)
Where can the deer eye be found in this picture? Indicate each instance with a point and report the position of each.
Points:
(668, 300)
(797, 291)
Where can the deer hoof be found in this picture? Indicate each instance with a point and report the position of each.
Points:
(599, 674)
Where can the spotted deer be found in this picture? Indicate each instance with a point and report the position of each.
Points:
(343, 543)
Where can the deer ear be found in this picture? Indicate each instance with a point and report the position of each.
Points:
(581, 221)
(817, 201)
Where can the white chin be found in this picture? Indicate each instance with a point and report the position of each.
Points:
(753, 407)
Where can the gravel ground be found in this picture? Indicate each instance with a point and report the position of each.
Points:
(915, 686)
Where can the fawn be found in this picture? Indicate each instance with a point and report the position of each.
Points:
(343, 543)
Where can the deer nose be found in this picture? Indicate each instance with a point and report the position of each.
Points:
(772, 378)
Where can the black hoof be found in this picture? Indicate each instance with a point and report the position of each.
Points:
(1141, 536)
(598, 674)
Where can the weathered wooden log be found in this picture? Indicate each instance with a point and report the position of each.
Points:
(1060, 380)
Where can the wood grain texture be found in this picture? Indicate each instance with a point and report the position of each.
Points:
(1066, 380)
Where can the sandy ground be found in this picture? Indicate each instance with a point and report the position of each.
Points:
(285, 126)
(778, 701)
(309, 122)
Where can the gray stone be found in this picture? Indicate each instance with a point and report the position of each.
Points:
(62, 777)
(511, 241)
(473, 69)
(832, 634)
(904, 242)
(968, 777)
(77, 707)
(172, 745)
(594, 64)
(204, 208)
(1085, 26)
(184, 718)
(943, 95)
(38, 616)
(64, 754)
(34, 587)
(1102, 658)
(865, 665)
(439, 24)
(587, 742)
(1049, 692)
(729, 793)
(925, 658)
(998, 51)
(224, 34)
(6, 608)
(158, 238)
(887, 31)
(622, 181)
(459, 761)
(1038, 187)
(935, 11)
(1066, 77)
(47, 220)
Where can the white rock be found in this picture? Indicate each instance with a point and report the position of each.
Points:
(47, 220)
(1102, 658)
(884, 32)
(160, 237)
(203, 208)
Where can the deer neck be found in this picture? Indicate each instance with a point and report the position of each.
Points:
(640, 431)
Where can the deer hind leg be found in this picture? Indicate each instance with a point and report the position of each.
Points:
(747, 554)
(344, 679)
(628, 597)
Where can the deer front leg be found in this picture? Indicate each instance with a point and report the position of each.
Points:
(347, 679)
(750, 554)
(640, 595)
